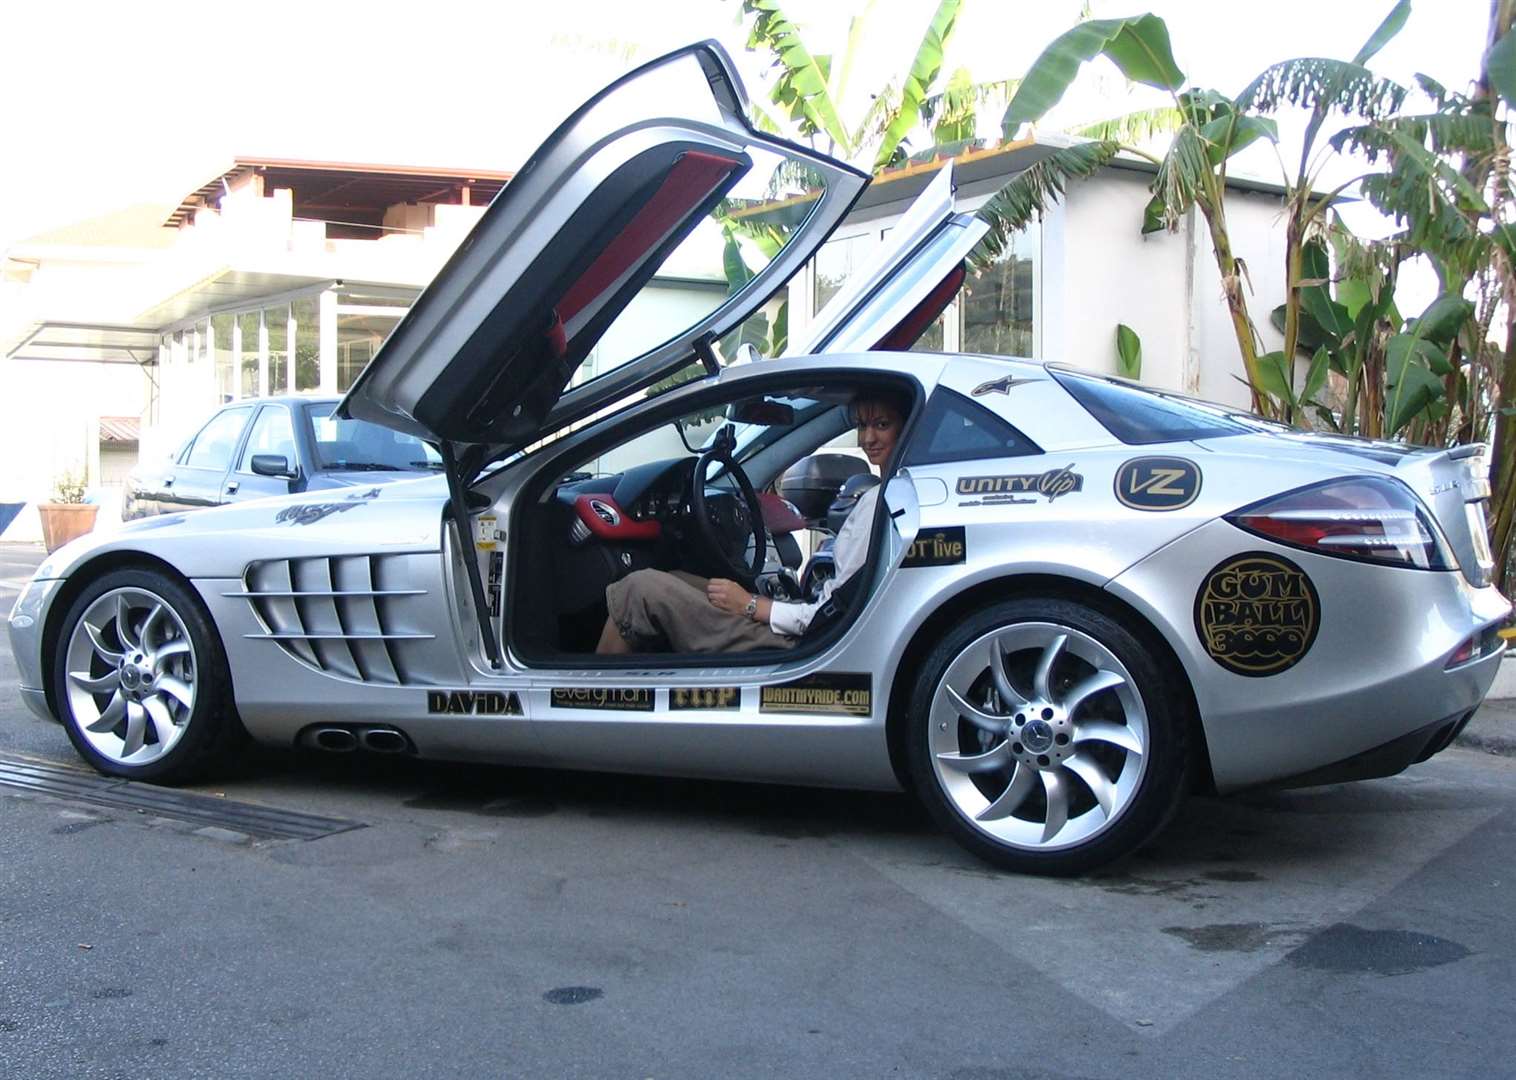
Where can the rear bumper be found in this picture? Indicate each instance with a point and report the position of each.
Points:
(1391, 758)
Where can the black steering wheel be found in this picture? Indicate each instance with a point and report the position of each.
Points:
(719, 526)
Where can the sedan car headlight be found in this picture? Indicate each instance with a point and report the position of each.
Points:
(1369, 518)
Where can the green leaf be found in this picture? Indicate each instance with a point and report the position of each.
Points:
(802, 84)
(1274, 376)
(1226, 135)
(1128, 352)
(1500, 65)
(1320, 83)
(1033, 191)
(1154, 219)
(1386, 30)
(1333, 318)
(1133, 127)
(923, 72)
(1443, 318)
(1409, 383)
(1316, 376)
(1352, 294)
(1138, 46)
(1309, 336)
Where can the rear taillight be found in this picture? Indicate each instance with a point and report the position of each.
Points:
(1370, 518)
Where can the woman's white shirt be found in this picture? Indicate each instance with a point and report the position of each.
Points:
(849, 553)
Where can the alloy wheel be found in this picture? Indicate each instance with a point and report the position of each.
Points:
(1038, 736)
(131, 676)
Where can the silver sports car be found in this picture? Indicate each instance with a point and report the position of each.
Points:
(1083, 598)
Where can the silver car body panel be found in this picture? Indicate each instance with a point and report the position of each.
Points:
(1385, 633)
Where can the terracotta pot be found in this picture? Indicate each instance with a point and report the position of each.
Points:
(62, 522)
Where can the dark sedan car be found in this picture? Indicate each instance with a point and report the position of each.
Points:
(272, 446)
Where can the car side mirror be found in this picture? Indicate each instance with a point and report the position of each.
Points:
(273, 465)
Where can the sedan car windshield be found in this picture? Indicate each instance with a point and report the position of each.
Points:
(356, 445)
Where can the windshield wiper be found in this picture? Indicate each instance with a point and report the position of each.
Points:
(362, 466)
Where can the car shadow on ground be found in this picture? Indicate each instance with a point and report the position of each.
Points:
(1255, 828)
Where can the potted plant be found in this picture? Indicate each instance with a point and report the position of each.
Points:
(67, 516)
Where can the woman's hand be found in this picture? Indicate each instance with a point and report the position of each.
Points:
(727, 596)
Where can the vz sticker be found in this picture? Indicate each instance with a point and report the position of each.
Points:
(940, 547)
(473, 702)
(837, 693)
(1157, 483)
(1054, 484)
(1257, 614)
(630, 699)
(1000, 386)
(705, 697)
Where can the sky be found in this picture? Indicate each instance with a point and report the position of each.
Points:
(107, 105)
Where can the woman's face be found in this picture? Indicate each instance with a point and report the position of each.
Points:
(878, 428)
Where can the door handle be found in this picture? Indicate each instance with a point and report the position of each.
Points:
(231, 489)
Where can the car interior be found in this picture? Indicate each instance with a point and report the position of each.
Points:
(752, 489)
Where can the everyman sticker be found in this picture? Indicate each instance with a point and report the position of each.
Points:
(613, 699)
(1157, 483)
(844, 694)
(937, 547)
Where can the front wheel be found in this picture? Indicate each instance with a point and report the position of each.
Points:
(1045, 738)
(140, 679)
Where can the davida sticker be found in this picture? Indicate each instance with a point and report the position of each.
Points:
(612, 699)
(1157, 483)
(1257, 614)
(990, 490)
(473, 702)
(937, 547)
(844, 694)
(705, 697)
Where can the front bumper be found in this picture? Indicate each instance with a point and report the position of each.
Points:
(26, 622)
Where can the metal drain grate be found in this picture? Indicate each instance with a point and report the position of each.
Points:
(260, 821)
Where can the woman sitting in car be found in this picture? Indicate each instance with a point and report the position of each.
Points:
(695, 614)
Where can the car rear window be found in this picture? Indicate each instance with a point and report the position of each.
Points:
(1139, 416)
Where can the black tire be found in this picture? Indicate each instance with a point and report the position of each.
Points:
(209, 732)
(1149, 702)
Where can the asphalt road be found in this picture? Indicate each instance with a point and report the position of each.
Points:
(504, 922)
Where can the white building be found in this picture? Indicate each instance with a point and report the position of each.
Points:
(283, 275)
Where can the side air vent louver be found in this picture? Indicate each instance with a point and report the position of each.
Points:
(605, 513)
(346, 615)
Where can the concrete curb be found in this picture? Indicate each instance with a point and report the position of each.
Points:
(1492, 730)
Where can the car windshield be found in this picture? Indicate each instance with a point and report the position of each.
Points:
(357, 445)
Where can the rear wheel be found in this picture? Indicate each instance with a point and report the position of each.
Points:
(1046, 738)
(140, 680)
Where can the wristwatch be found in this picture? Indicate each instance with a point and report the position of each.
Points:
(752, 607)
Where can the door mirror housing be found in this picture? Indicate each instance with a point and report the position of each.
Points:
(273, 465)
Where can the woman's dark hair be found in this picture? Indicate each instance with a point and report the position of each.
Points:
(894, 400)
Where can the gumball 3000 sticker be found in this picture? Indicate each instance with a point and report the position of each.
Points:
(1257, 614)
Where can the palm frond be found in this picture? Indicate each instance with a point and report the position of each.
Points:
(1182, 176)
(1133, 127)
(953, 114)
(925, 66)
(1320, 83)
(802, 84)
(1033, 191)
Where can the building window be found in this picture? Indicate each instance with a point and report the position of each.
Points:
(307, 350)
(999, 302)
(249, 352)
(221, 357)
(276, 322)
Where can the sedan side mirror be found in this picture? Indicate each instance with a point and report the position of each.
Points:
(273, 465)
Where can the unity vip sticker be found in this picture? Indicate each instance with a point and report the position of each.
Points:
(473, 702)
(989, 490)
(614, 699)
(705, 697)
(939, 547)
(1157, 483)
(845, 694)
(1257, 614)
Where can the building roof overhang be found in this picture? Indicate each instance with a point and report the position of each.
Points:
(94, 343)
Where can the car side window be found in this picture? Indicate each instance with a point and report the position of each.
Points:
(953, 428)
(273, 433)
(217, 440)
